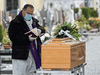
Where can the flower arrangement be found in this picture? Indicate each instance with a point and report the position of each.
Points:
(88, 28)
(93, 20)
(73, 31)
(76, 24)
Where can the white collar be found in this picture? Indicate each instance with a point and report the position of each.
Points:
(29, 22)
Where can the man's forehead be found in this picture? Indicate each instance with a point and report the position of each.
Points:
(29, 9)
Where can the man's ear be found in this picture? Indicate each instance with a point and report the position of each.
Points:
(23, 12)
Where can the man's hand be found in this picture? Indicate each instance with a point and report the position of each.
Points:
(32, 38)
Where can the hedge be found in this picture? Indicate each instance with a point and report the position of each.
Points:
(85, 12)
(94, 13)
(76, 10)
(91, 8)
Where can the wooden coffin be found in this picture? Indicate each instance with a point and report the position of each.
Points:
(62, 54)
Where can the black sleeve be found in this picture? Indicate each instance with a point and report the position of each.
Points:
(15, 35)
(40, 27)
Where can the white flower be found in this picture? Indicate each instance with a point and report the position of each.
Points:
(42, 38)
(46, 35)
(77, 27)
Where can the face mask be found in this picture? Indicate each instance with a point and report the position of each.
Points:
(28, 16)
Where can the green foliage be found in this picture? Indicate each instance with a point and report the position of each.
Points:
(81, 24)
(82, 18)
(88, 28)
(1, 33)
(91, 9)
(73, 30)
(97, 23)
(85, 12)
(47, 38)
(5, 38)
(94, 13)
(57, 30)
(89, 12)
(76, 35)
(76, 10)
(90, 22)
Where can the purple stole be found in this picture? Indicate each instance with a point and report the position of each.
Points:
(35, 52)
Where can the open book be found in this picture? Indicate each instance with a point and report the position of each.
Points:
(34, 33)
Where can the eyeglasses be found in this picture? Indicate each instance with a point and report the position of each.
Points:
(29, 13)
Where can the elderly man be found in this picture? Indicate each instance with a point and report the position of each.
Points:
(25, 49)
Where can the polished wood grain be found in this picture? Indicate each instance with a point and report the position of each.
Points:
(59, 55)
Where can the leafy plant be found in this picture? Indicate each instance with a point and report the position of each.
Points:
(47, 38)
(81, 24)
(90, 22)
(57, 30)
(5, 37)
(1, 32)
(85, 12)
(94, 13)
(98, 24)
(76, 10)
(88, 28)
(82, 18)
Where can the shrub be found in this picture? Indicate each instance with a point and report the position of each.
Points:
(88, 28)
(1, 32)
(76, 10)
(90, 22)
(82, 18)
(85, 12)
(81, 24)
(94, 13)
(5, 37)
(91, 8)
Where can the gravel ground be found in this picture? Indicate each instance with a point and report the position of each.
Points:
(93, 56)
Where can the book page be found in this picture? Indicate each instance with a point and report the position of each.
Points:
(35, 31)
